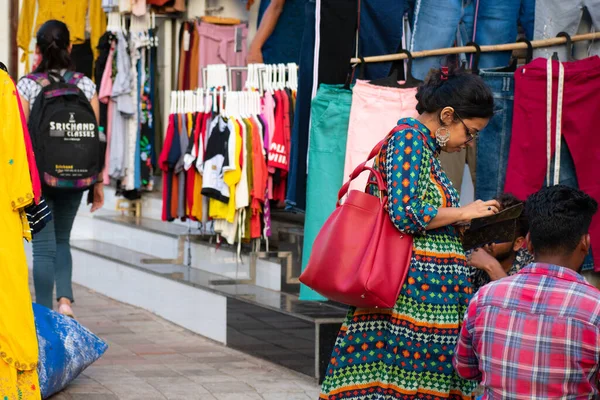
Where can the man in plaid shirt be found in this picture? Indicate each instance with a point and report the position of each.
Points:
(536, 334)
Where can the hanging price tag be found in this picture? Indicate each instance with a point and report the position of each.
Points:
(238, 39)
(186, 40)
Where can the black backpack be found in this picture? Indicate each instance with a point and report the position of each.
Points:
(68, 146)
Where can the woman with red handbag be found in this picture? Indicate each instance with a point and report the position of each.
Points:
(405, 352)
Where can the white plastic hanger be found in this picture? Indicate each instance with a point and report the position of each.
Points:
(173, 108)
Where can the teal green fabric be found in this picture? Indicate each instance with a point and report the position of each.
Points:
(330, 114)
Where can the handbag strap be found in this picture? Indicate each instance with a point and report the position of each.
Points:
(363, 166)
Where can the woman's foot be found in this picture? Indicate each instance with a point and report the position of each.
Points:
(64, 308)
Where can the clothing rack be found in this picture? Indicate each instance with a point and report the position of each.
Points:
(483, 49)
(261, 69)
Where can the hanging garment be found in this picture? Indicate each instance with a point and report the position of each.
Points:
(189, 158)
(554, 16)
(327, 150)
(168, 158)
(494, 141)
(104, 89)
(278, 150)
(82, 57)
(438, 25)
(221, 45)
(124, 110)
(198, 208)
(296, 190)
(215, 160)
(179, 170)
(337, 39)
(183, 55)
(242, 191)
(568, 111)
(147, 124)
(247, 235)
(454, 165)
(73, 13)
(380, 32)
(375, 111)
(18, 342)
(157, 139)
(260, 175)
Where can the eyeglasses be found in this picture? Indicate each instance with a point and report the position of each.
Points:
(471, 133)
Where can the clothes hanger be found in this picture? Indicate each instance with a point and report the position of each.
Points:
(411, 81)
(476, 57)
(395, 72)
(350, 75)
(569, 45)
(529, 56)
(512, 67)
(392, 79)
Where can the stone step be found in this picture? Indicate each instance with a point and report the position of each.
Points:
(262, 322)
(169, 242)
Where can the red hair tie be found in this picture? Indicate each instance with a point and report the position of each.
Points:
(444, 75)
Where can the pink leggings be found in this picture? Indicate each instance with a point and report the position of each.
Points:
(375, 112)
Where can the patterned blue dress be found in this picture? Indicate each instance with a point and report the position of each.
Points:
(406, 352)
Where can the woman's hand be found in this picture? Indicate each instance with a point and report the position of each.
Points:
(98, 196)
(479, 209)
(484, 261)
(255, 56)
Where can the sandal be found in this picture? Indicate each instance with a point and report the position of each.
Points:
(66, 310)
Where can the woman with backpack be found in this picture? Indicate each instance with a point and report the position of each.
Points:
(52, 262)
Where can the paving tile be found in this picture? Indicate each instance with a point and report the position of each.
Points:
(238, 396)
(175, 388)
(286, 396)
(233, 387)
(152, 359)
(262, 386)
(89, 396)
(213, 378)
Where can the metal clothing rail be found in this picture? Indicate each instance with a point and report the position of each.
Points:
(484, 49)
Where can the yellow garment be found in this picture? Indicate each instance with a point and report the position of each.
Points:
(18, 338)
(218, 209)
(197, 206)
(71, 12)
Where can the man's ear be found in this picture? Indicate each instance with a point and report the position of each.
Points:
(585, 243)
(529, 244)
(519, 242)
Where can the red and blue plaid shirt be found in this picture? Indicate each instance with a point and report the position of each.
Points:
(533, 335)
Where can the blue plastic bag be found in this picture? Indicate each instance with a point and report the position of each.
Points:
(66, 349)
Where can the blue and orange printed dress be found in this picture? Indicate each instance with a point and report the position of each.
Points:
(406, 352)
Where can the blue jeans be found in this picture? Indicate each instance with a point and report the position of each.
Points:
(296, 187)
(443, 24)
(493, 144)
(327, 154)
(380, 33)
(52, 260)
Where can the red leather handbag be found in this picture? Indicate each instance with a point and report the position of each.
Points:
(359, 257)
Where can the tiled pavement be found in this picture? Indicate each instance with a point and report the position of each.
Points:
(150, 358)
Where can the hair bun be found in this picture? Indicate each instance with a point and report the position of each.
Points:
(454, 87)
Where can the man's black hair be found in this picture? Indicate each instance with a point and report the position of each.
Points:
(508, 200)
(558, 217)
